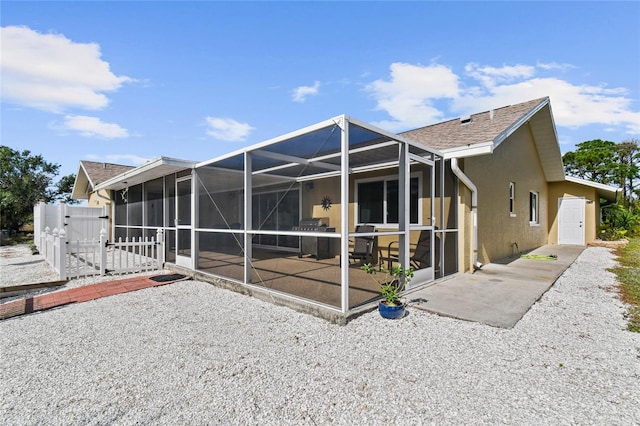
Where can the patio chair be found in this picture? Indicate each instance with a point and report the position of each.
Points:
(422, 254)
(363, 246)
(421, 257)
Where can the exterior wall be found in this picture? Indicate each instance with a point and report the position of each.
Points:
(312, 194)
(591, 211)
(99, 198)
(514, 160)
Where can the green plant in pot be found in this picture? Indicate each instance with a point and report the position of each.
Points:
(391, 284)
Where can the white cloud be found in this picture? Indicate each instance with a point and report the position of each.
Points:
(413, 95)
(52, 73)
(92, 126)
(125, 159)
(227, 129)
(409, 94)
(301, 93)
(555, 66)
(491, 76)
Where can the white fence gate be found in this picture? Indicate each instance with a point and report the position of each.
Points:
(73, 259)
(79, 222)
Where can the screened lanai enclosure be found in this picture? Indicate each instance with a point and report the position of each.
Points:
(299, 214)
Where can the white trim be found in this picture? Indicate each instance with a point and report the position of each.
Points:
(597, 185)
(515, 126)
(482, 148)
(512, 199)
(159, 167)
(536, 219)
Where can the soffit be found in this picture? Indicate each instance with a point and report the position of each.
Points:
(152, 170)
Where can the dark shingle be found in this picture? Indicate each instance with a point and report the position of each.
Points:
(483, 127)
(99, 172)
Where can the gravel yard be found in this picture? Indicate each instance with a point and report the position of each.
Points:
(190, 353)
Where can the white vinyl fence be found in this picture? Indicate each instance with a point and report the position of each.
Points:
(73, 259)
(78, 222)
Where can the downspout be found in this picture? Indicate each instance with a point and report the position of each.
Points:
(474, 210)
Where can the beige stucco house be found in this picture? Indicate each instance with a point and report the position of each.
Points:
(444, 199)
(513, 189)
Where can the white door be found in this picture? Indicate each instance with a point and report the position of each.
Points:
(571, 221)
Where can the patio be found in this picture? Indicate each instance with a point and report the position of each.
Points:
(303, 277)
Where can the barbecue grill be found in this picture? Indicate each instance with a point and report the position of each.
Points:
(319, 247)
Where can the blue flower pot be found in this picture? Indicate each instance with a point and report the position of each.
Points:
(391, 312)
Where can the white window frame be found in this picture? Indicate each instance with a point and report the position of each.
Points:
(512, 199)
(384, 179)
(534, 208)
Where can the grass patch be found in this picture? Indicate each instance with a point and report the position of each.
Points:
(628, 273)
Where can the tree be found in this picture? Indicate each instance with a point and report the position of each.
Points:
(25, 179)
(628, 172)
(595, 160)
(64, 188)
(609, 163)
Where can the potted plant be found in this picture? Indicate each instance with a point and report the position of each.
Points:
(391, 285)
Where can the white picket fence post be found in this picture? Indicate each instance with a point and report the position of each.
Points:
(38, 219)
(160, 247)
(43, 243)
(103, 251)
(61, 258)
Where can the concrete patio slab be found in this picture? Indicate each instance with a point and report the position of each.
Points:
(500, 293)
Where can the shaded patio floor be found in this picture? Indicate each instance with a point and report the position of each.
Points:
(305, 277)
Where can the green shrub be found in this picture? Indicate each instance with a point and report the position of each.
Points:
(619, 222)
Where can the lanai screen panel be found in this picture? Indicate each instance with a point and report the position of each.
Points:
(153, 203)
(287, 178)
(220, 217)
(170, 217)
(295, 178)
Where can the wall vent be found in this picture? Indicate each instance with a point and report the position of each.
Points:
(465, 120)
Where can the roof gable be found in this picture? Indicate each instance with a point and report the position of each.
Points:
(483, 132)
(99, 172)
(91, 173)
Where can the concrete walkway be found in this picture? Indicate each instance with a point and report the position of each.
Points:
(55, 299)
(500, 293)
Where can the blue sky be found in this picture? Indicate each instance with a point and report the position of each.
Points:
(127, 82)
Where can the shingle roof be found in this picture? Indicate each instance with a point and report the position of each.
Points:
(99, 172)
(483, 127)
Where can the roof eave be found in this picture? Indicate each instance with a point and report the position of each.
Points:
(82, 180)
(516, 125)
(607, 192)
(151, 170)
(545, 137)
(472, 150)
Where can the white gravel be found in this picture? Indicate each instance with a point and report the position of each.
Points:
(190, 353)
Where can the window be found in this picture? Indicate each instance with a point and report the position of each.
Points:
(512, 199)
(378, 201)
(533, 208)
